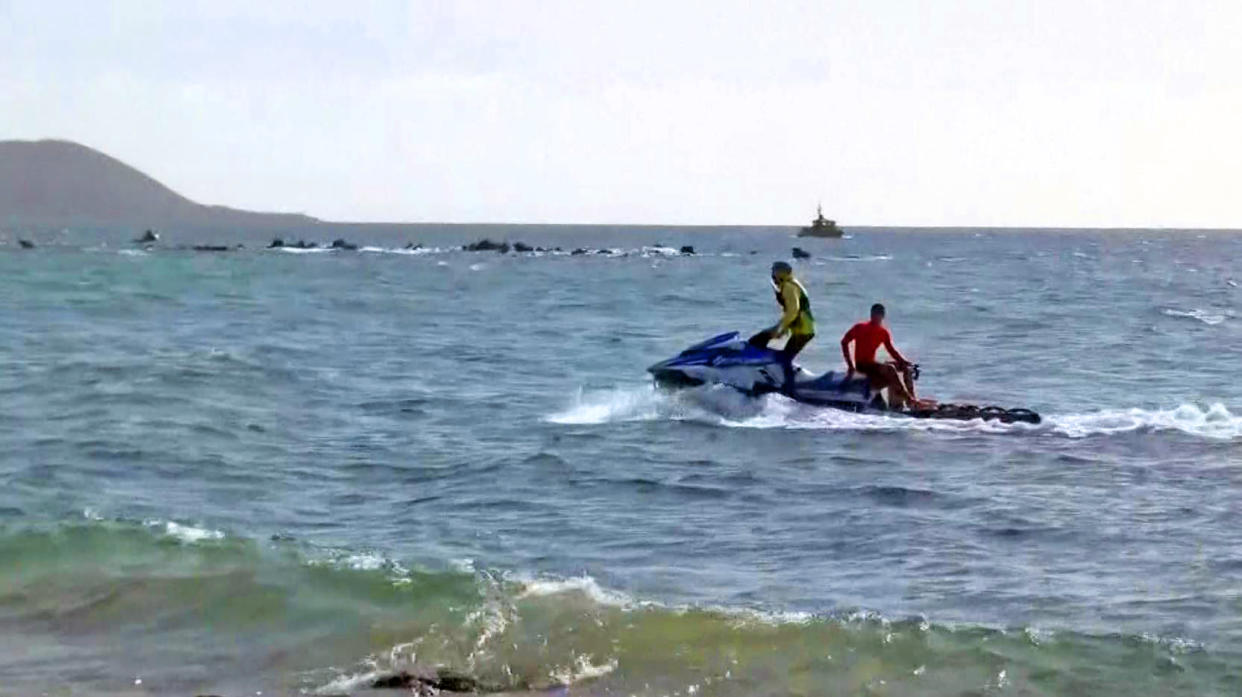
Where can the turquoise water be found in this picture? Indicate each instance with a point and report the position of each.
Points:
(286, 471)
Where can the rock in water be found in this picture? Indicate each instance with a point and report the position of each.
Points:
(276, 244)
(486, 245)
(148, 237)
(456, 682)
(25, 244)
(522, 247)
(394, 681)
(424, 682)
(339, 243)
(687, 249)
(800, 253)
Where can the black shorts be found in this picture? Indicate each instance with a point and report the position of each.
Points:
(873, 371)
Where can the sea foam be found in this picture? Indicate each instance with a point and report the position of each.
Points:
(729, 408)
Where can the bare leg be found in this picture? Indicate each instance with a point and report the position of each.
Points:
(898, 397)
(907, 376)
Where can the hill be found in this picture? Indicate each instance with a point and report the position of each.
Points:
(54, 182)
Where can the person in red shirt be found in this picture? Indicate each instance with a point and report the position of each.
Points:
(867, 338)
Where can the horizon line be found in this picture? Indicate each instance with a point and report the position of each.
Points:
(868, 226)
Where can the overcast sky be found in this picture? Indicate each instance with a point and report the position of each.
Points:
(996, 112)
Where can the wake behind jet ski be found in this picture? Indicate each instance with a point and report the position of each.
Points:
(756, 370)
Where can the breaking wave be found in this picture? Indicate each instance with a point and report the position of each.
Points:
(404, 251)
(371, 616)
(303, 250)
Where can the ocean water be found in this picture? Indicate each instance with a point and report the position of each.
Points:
(286, 472)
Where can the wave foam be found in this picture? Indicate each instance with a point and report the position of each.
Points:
(1200, 314)
(543, 587)
(349, 682)
(729, 408)
(405, 251)
(861, 257)
(710, 404)
(185, 533)
(301, 250)
(583, 669)
(396, 573)
(608, 407)
(1215, 422)
(655, 250)
(550, 587)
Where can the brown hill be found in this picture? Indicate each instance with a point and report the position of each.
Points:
(56, 182)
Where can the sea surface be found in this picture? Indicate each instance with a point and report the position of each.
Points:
(286, 472)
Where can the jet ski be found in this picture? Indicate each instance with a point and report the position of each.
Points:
(756, 370)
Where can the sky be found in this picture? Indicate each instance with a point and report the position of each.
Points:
(1063, 113)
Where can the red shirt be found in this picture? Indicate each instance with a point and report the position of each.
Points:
(867, 338)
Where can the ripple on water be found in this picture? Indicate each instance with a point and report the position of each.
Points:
(900, 496)
(394, 396)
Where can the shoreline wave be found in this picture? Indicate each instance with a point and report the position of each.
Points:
(372, 615)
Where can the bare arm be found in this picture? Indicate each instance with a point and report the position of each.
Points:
(892, 350)
(845, 349)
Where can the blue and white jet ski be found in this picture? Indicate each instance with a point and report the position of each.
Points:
(728, 359)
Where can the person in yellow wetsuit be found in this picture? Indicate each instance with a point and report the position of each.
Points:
(796, 318)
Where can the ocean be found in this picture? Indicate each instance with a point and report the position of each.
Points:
(289, 472)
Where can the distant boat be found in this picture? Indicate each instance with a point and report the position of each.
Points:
(821, 226)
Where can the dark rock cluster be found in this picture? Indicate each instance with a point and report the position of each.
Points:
(486, 245)
(216, 247)
(341, 244)
(427, 682)
(278, 243)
